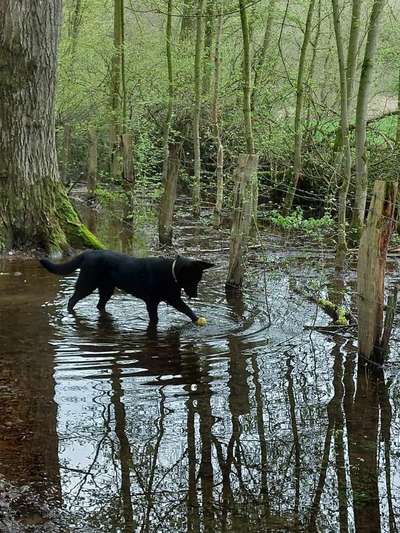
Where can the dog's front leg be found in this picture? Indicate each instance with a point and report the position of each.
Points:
(180, 306)
(152, 309)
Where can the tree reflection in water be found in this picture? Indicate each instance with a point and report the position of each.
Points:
(255, 456)
(171, 432)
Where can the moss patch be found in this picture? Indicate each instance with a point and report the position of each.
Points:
(337, 312)
(76, 233)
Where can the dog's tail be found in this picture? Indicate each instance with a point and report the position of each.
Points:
(63, 268)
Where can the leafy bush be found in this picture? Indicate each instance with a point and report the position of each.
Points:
(295, 221)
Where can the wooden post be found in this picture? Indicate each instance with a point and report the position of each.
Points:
(168, 197)
(389, 318)
(371, 268)
(92, 162)
(127, 157)
(242, 211)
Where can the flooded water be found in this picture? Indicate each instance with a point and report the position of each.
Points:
(250, 424)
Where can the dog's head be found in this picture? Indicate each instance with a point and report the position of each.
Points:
(188, 273)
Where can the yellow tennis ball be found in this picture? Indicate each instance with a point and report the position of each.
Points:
(201, 321)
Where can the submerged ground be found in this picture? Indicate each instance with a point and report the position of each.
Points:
(252, 423)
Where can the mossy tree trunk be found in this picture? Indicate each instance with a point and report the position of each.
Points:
(372, 254)
(197, 108)
(360, 198)
(341, 246)
(34, 209)
(298, 130)
(215, 118)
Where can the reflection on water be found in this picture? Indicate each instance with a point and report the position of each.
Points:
(236, 426)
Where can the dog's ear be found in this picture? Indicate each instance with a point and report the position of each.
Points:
(204, 264)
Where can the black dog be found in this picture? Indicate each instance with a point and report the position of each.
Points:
(152, 279)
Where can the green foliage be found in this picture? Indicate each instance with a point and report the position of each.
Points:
(295, 221)
(83, 95)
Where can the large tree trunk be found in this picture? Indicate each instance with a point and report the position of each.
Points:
(34, 209)
(360, 199)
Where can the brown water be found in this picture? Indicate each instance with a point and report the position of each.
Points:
(251, 423)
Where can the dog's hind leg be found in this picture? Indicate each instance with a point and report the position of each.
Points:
(105, 293)
(84, 286)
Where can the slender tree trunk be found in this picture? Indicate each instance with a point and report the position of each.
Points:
(127, 161)
(216, 122)
(398, 116)
(371, 268)
(92, 162)
(208, 42)
(310, 75)
(352, 51)
(247, 92)
(360, 199)
(34, 209)
(259, 65)
(187, 20)
(247, 86)
(73, 35)
(172, 151)
(352, 54)
(168, 198)
(298, 134)
(74, 27)
(341, 247)
(117, 92)
(197, 108)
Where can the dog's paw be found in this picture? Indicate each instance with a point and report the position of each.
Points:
(201, 321)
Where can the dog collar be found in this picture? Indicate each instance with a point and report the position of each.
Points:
(173, 272)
